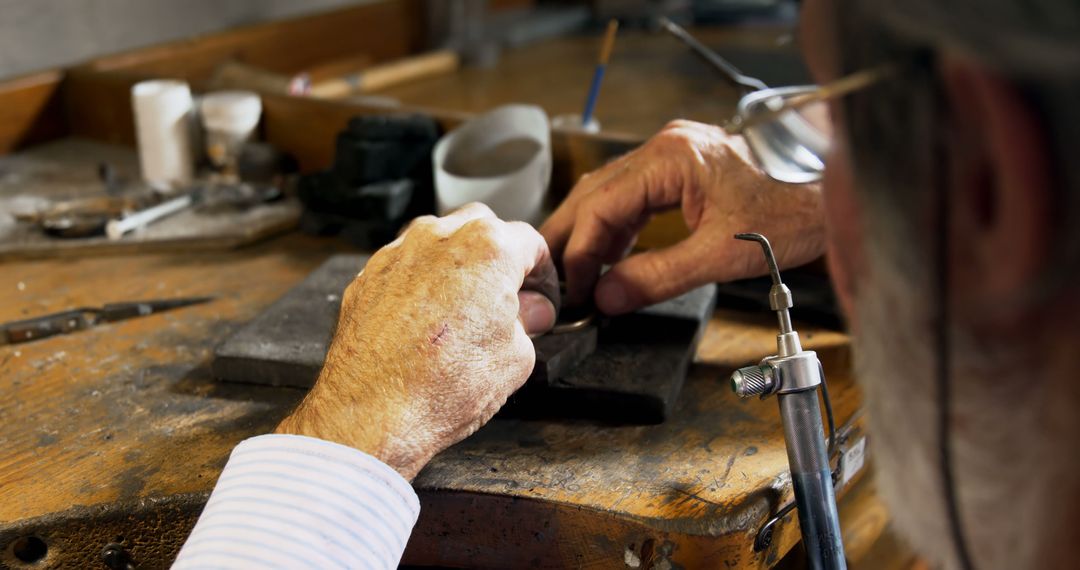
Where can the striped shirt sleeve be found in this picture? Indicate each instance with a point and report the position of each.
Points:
(288, 501)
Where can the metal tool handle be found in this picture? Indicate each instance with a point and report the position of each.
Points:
(811, 477)
(45, 326)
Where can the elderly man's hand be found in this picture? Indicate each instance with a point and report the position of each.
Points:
(713, 177)
(432, 338)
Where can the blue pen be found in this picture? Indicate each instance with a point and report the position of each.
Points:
(598, 76)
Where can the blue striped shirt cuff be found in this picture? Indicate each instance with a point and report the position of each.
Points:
(289, 501)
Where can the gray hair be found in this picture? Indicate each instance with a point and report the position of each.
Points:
(896, 130)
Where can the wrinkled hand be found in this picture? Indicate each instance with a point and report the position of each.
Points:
(432, 338)
(721, 191)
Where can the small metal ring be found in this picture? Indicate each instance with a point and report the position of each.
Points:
(572, 326)
(562, 328)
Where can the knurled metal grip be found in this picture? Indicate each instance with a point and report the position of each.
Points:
(752, 381)
(778, 375)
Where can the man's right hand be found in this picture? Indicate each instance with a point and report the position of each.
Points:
(432, 338)
(721, 191)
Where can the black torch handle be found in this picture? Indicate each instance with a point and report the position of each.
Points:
(812, 479)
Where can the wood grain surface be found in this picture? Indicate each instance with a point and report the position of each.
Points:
(127, 412)
(31, 110)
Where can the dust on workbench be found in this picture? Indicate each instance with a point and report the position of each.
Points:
(67, 169)
(128, 409)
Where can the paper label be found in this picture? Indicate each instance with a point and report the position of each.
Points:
(854, 458)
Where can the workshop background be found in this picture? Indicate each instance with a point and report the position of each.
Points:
(35, 34)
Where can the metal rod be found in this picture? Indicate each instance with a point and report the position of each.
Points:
(714, 59)
(780, 295)
(766, 248)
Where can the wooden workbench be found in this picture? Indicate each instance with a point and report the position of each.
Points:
(128, 414)
(117, 434)
(652, 78)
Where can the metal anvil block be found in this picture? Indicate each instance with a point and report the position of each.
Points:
(629, 368)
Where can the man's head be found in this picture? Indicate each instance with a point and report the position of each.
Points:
(962, 160)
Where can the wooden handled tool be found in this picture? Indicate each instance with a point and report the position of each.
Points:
(340, 67)
(388, 74)
(233, 74)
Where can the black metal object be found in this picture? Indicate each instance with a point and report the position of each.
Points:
(765, 535)
(625, 369)
(115, 557)
(381, 178)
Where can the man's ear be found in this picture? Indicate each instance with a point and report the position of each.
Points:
(1001, 189)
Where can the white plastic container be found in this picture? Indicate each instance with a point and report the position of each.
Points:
(229, 120)
(163, 129)
(501, 158)
(572, 123)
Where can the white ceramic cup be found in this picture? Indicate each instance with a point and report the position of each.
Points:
(229, 119)
(163, 128)
(501, 158)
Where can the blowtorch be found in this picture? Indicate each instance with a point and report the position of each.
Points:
(794, 375)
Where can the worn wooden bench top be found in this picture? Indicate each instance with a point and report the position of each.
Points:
(127, 414)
